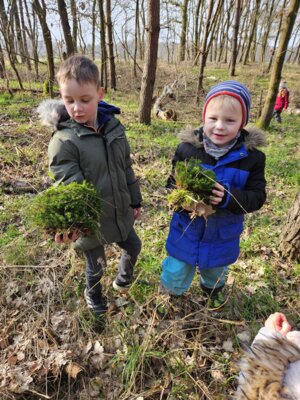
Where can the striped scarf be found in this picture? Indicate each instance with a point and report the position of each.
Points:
(216, 151)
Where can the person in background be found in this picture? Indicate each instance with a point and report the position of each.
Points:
(281, 102)
(224, 146)
(270, 369)
(89, 143)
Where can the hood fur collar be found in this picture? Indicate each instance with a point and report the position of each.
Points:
(51, 112)
(252, 136)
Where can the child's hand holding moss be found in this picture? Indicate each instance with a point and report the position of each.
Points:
(218, 193)
(67, 237)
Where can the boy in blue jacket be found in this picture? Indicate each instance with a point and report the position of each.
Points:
(224, 146)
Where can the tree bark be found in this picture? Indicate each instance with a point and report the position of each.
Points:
(23, 32)
(252, 33)
(136, 33)
(7, 33)
(14, 12)
(62, 10)
(31, 30)
(110, 43)
(289, 241)
(267, 111)
(75, 24)
(235, 37)
(148, 79)
(182, 44)
(209, 29)
(103, 71)
(93, 30)
(276, 39)
(2, 64)
(41, 13)
(268, 25)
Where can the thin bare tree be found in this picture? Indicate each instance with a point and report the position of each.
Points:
(110, 45)
(148, 79)
(252, 31)
(75, 24)
(63, 13)
(103, 71)
(234, 48)
(183, 34)
(208, 30)
(41, 11)
(275, 78)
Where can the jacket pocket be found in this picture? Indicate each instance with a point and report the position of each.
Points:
(229, 232)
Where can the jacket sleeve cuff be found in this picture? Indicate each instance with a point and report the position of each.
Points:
(135, 205)
(226, 197)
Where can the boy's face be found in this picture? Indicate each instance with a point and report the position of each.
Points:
(223, 120)
(81, 101)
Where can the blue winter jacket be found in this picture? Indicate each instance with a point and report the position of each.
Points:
(215, 242)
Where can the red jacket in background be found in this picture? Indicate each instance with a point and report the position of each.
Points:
(282, 100)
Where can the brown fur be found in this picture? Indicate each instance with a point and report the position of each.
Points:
(263, 368)
(256, 137)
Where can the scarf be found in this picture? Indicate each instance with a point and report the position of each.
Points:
(216, 151)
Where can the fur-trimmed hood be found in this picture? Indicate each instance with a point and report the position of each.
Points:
(270, 369)
(252, 137)
(53, 112)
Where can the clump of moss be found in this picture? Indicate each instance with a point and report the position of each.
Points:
(190, 175)
(66, 207)
(194, 186)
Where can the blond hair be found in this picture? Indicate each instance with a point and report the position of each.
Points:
(80, 68)
(225, 99)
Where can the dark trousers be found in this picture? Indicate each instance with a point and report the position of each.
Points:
(277, 116)
(96, 263)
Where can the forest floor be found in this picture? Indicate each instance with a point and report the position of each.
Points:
(52, 348)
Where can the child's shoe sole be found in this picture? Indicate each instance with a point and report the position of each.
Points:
(120, 288)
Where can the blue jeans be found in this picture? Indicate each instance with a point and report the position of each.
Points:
(177, 276)
(96, 263)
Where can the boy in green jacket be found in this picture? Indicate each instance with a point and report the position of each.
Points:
(88, 144)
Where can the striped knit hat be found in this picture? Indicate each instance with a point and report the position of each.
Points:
(234, 89)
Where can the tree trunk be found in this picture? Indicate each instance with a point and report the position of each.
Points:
(2, 64)
(276, 39)
(41, 13)
(296, 35)
(136, 33)
(182, 44)
(267, 112)
(75, 24)
(209, 29)
(103, 71)
(62, 10)
(268, 25)
(297, 55)
(32, 33)
(7, 33)
(112, 66)
(149, 72)
(142, 36)
(196, 29)
(93, 30)
(252, 33)
(235, 37)
(14, 12)
(289, 241)
(23, 32)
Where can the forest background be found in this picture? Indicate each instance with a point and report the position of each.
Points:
(50, 347)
